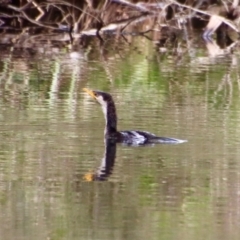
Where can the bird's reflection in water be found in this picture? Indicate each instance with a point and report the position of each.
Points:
(107, 163)
(108, 160)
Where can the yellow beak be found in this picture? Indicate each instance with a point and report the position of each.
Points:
(90, 92)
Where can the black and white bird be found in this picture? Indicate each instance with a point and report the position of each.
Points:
(126, 137)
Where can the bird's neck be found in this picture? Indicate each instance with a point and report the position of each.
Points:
(110, 114)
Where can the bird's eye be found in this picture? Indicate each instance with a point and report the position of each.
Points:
(96, 94)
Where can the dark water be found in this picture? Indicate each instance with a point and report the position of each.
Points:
(52, 143)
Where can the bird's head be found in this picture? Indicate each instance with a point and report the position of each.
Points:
(108, 108)
(102, 97)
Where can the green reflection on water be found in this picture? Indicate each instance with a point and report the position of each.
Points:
(52, 135)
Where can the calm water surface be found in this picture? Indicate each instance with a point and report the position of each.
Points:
(52, 143)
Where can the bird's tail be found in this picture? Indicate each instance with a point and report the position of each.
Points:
(166, 140)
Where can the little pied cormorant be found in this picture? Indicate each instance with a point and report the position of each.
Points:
(125, 137)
